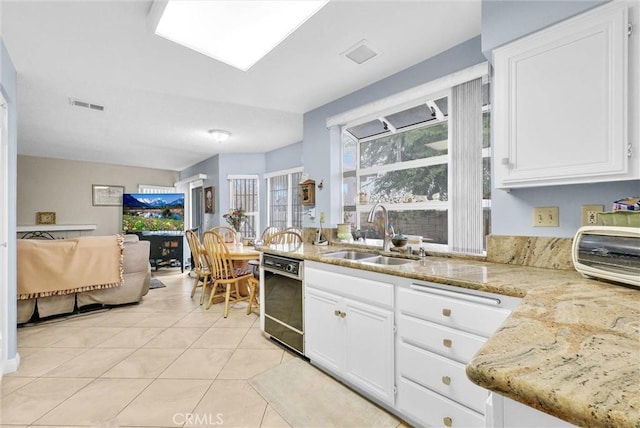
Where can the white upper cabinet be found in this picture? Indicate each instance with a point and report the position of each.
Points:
(561, 103)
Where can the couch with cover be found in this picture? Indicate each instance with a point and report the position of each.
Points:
(62, 276)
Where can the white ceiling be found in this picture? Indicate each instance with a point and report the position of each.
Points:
(160, 98)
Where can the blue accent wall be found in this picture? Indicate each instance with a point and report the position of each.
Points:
(284, 158)
(8, 86)
(505, 21)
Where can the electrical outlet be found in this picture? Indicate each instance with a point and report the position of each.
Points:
(322, 217)
(590, 215)
(546, 217)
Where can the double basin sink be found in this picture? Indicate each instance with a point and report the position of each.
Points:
(368, 258)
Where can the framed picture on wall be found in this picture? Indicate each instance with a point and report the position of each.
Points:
(107, 195)
(209, 200)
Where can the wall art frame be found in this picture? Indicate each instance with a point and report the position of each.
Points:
(210, 200)
(105, 195)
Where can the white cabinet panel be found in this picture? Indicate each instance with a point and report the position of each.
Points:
(452, 310)
(440, 374)
(370, 349)
(322, 345)
(434, 410)
(363, 289)
(560, 103)
(348, 336)
(455, 344)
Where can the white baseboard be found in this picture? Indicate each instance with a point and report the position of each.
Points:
(11, 365)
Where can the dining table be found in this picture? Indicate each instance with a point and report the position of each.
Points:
(242, 253)
(241, 256)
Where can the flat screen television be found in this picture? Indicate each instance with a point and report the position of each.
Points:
(153, 212)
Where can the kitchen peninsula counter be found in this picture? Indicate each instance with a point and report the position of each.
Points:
(571, 348)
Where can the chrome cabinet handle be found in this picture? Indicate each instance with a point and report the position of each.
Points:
(343, 314)
(447, 343)
(336, 313)
(447, 421)
(446, 312)
(446, 380)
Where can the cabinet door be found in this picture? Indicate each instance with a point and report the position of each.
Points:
(560, 104)
(324, 333)
(369, 355)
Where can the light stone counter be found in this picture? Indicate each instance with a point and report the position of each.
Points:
(571, 348)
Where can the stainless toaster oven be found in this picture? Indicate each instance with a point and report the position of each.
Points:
(608, 252)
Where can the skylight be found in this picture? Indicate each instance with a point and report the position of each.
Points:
(238, 33)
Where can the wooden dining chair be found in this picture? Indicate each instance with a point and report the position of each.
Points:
(267, 232)
(224, 274)
(285, 237)
(228, 234)
(295, 229)
(254, 296)
(254, 283)
(199, 264)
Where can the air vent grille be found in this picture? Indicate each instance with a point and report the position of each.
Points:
(84, 104)
(361, 52)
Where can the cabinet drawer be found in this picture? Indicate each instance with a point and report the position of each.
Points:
(361, 289)
(440, 374)
(431, 409)
(444, 307)
(450, 343)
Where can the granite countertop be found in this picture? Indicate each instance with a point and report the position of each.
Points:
(571, 348)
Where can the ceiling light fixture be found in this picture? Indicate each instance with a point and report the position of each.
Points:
(219, 135)
(238, 33)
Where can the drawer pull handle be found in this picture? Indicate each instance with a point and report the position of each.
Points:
(447, 421)
(343, 314)
(336, 313)
(446, 380)
(447, 343)
(446, 312)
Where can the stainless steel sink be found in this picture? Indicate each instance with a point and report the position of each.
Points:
(349, 255)
(386, 261)
(369, 258)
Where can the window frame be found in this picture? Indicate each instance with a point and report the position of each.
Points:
(427, 98)
(254, 214)
(291, 188)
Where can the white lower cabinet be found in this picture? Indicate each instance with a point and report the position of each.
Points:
(439, 331)
(402, 343)
(348, 331)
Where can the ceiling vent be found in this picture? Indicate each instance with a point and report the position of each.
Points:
(84, 104)
(361, 52)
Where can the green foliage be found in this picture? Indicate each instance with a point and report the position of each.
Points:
(416, 144)
(137, 224)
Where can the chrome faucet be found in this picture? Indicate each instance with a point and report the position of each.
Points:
(388, 231)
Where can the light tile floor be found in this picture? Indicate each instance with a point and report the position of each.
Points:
(152, 364)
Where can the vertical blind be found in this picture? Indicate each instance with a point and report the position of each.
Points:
(466, 168)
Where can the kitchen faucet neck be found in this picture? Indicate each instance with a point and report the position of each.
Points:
(387, 229)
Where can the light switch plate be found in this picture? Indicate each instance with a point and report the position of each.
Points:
(546, 217)
(590, 215)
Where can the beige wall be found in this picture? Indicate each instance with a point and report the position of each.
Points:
(64, 186)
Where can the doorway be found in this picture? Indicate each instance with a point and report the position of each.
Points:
(197, 209)
(4, 226)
